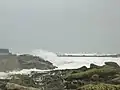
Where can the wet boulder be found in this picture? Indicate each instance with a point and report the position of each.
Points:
(12, 86)
(95, 77)
(112, 64)
(94, 66)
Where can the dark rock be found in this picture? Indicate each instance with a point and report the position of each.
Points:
(94, 66)
(13, 86)
(74, 72)
(70, 86)
(29, 61)
(53, 82)
(95, 77)
(49, 80)
(24, 80)
(2, 85)
(9, 63)
(113, 64)
(83, 68)
(4, 52)
(116, 75)
(115, 80)
(81, 82)
(14, 62)
(100, 86)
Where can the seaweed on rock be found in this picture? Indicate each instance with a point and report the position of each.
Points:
(104, 71)
(100, 86)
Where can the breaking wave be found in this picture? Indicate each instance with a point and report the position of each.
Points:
(72, 62)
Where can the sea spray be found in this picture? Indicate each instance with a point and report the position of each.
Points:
(73, 62)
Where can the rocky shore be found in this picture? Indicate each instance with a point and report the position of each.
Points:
(12, 62)
(106, 77)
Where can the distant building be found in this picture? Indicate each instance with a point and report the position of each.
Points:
(4, 52)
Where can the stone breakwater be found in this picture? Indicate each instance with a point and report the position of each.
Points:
(18, 62)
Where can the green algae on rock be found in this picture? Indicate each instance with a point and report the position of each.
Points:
(100, 86)
(106, 70)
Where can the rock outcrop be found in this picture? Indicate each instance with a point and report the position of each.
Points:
(112, 64)
(29, 61)
(9, 63)
(13, 86)
(18, 62)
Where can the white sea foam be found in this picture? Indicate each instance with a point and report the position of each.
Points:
(73, 62)
(4, 75)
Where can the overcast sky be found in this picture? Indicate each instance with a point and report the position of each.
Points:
(60, 25)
